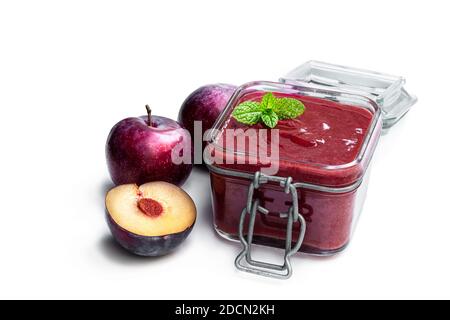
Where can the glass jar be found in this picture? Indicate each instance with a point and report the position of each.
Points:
(306, 195)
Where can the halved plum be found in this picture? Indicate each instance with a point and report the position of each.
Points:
(150, 220)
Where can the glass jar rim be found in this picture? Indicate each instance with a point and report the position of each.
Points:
(331, 94)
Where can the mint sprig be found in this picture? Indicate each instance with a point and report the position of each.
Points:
(269, 111)
(269, 118)
(288, 108)
(248, 112)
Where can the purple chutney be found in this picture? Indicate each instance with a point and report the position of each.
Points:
(327, 133)
(319, 147)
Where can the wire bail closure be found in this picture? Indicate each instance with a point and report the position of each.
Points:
(253, 207)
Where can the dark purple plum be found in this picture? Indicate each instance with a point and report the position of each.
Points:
(205, 104)
(140, 152)
(150, 220)
(146, 246)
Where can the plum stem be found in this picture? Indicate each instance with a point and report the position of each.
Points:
(149, 114)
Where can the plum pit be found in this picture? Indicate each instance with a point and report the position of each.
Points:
(150, 207)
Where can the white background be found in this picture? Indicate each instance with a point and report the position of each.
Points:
(69, 70)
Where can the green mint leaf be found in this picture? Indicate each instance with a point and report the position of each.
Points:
(288, 108)
(270, 118)
(248, 112)
(269, 111)
(268, 101)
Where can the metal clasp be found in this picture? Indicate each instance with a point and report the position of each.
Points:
(253, 207)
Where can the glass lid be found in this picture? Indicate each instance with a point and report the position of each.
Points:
(386, 90)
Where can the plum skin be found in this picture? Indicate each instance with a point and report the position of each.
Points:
(205, 104)
(137, 153)
(146, 246)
